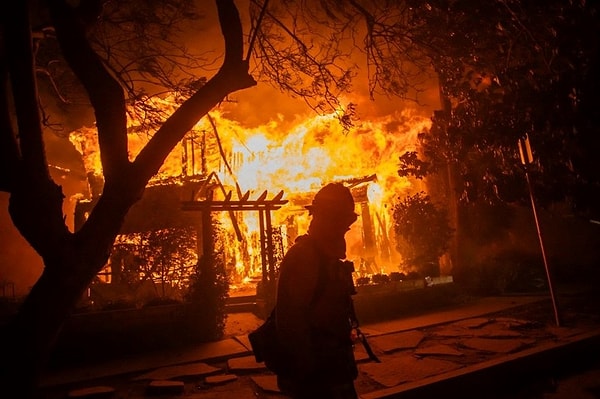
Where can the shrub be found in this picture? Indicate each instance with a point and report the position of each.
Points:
(422, 233)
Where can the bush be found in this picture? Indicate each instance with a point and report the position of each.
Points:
(208, 292)
(422, 233)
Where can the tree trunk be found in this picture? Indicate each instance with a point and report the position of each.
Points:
(450, 177)
(72, 260)
(70, 264)
(32, 334)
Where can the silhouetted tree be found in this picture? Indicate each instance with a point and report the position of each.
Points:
(422, 233)
(506, 69)
(72, 259)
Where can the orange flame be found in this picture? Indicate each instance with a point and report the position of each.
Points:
(297, 160)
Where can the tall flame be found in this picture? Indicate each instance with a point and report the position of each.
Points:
(298, 160)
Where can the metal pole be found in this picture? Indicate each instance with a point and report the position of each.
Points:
(527, 159)
(539, 232)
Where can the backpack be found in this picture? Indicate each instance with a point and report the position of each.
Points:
(264, 345)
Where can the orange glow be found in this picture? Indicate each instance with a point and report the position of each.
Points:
(298, 160)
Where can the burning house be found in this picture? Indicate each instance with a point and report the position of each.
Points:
(226, 172)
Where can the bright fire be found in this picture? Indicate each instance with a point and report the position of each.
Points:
(298, 160)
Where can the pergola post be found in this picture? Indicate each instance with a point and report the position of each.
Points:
(264, 207)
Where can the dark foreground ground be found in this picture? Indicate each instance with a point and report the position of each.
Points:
(492, 347)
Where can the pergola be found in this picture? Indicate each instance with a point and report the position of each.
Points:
(203, 202)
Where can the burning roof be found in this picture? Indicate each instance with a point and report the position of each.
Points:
(297, 160)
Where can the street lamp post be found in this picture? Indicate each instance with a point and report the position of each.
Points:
(527, 159)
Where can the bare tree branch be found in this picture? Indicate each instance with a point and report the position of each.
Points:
(140, 45)
(256, 28)
(232, 76)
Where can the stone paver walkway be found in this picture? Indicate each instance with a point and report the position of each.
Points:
(412, 350)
